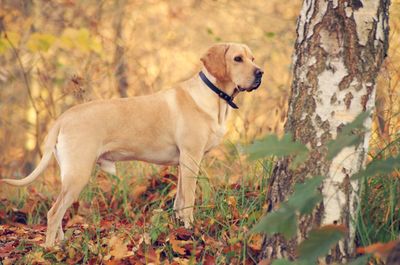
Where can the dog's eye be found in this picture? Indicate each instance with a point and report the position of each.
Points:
(252, 59)
(238, 59)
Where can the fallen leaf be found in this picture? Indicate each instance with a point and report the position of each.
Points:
(76, 219)
(209, 260)
(8, 261)
(104, 182)
(181, 261)
(232, 201)
(379, 250)
(264, 262)
(177, 246)
(137, 191)
(183, 233)
(118, 248)
(6, 249)
(255, 242)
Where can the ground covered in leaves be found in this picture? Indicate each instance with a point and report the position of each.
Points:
(119, 221)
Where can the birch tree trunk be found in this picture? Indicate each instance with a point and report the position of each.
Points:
(339, 49)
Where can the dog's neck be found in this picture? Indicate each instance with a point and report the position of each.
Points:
(226, 86)
(209, 101)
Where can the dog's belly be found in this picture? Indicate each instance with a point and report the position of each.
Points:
(165, 156)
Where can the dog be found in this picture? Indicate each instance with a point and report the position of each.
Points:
(172, 127)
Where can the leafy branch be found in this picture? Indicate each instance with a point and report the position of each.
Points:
(306, 195)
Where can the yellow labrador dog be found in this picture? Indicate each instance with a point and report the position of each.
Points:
(172, 127)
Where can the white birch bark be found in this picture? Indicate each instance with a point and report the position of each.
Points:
(339, 49)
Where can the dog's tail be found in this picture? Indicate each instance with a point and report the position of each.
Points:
(49, 145)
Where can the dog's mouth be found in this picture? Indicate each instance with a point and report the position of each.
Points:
(256, 84)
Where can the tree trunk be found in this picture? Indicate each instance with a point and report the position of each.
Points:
(339, 49)
(119, 60)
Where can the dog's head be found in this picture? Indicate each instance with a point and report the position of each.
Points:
(232, 62)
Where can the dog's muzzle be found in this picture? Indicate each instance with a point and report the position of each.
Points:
(258, 73)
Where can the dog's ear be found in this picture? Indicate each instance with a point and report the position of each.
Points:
(214, 61)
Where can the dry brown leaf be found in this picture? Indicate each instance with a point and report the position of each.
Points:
(255, 242)
(183, 233)
(232, 201)
(181, 261)
(37, 258)
(138, 191)
(379, 250)
(264, 262)
(209, 260)
(177, 246)
(118, 248)
(104, 182)
(76, 219)
(8, 261)
(151, 255)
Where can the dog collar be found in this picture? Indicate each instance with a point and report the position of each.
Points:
(218, 91)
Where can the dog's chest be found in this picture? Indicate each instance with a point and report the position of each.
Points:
(215, 137)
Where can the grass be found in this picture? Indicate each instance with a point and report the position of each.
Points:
(379, 212)
(141, 208)
(138, 208)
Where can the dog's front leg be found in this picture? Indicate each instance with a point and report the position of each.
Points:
(189, 164)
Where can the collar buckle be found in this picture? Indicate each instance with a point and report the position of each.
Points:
(218, 91)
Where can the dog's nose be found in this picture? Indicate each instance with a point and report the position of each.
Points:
(258, 73)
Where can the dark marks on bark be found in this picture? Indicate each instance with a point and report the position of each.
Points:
(347, 99)
(333, 98)
(312, 59)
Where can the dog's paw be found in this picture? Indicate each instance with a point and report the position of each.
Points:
(188, 224)
(185, 216)
(47, 245)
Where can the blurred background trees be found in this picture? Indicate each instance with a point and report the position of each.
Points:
(74, 51)
(55, 54)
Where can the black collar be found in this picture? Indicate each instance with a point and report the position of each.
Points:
(218, 91)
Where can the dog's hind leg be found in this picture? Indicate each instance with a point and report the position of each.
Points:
(60, 232)
(76, 167)
(70, 193)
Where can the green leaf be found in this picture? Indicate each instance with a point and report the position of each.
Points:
(271, 145)
(80, 39)
(320, 241)
(3, 46)
(363, 260)
(357, 123)
(306, 195)
(283, 221)
(269, 34)
(282, 262)
(12, 37)
(342, 141)
(40, 42)
(347, 137)
(379, 167)
(205, 189)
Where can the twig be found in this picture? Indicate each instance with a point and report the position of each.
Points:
(28, 89)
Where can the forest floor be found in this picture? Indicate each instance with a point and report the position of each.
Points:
(120, 221)
(129, 219)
